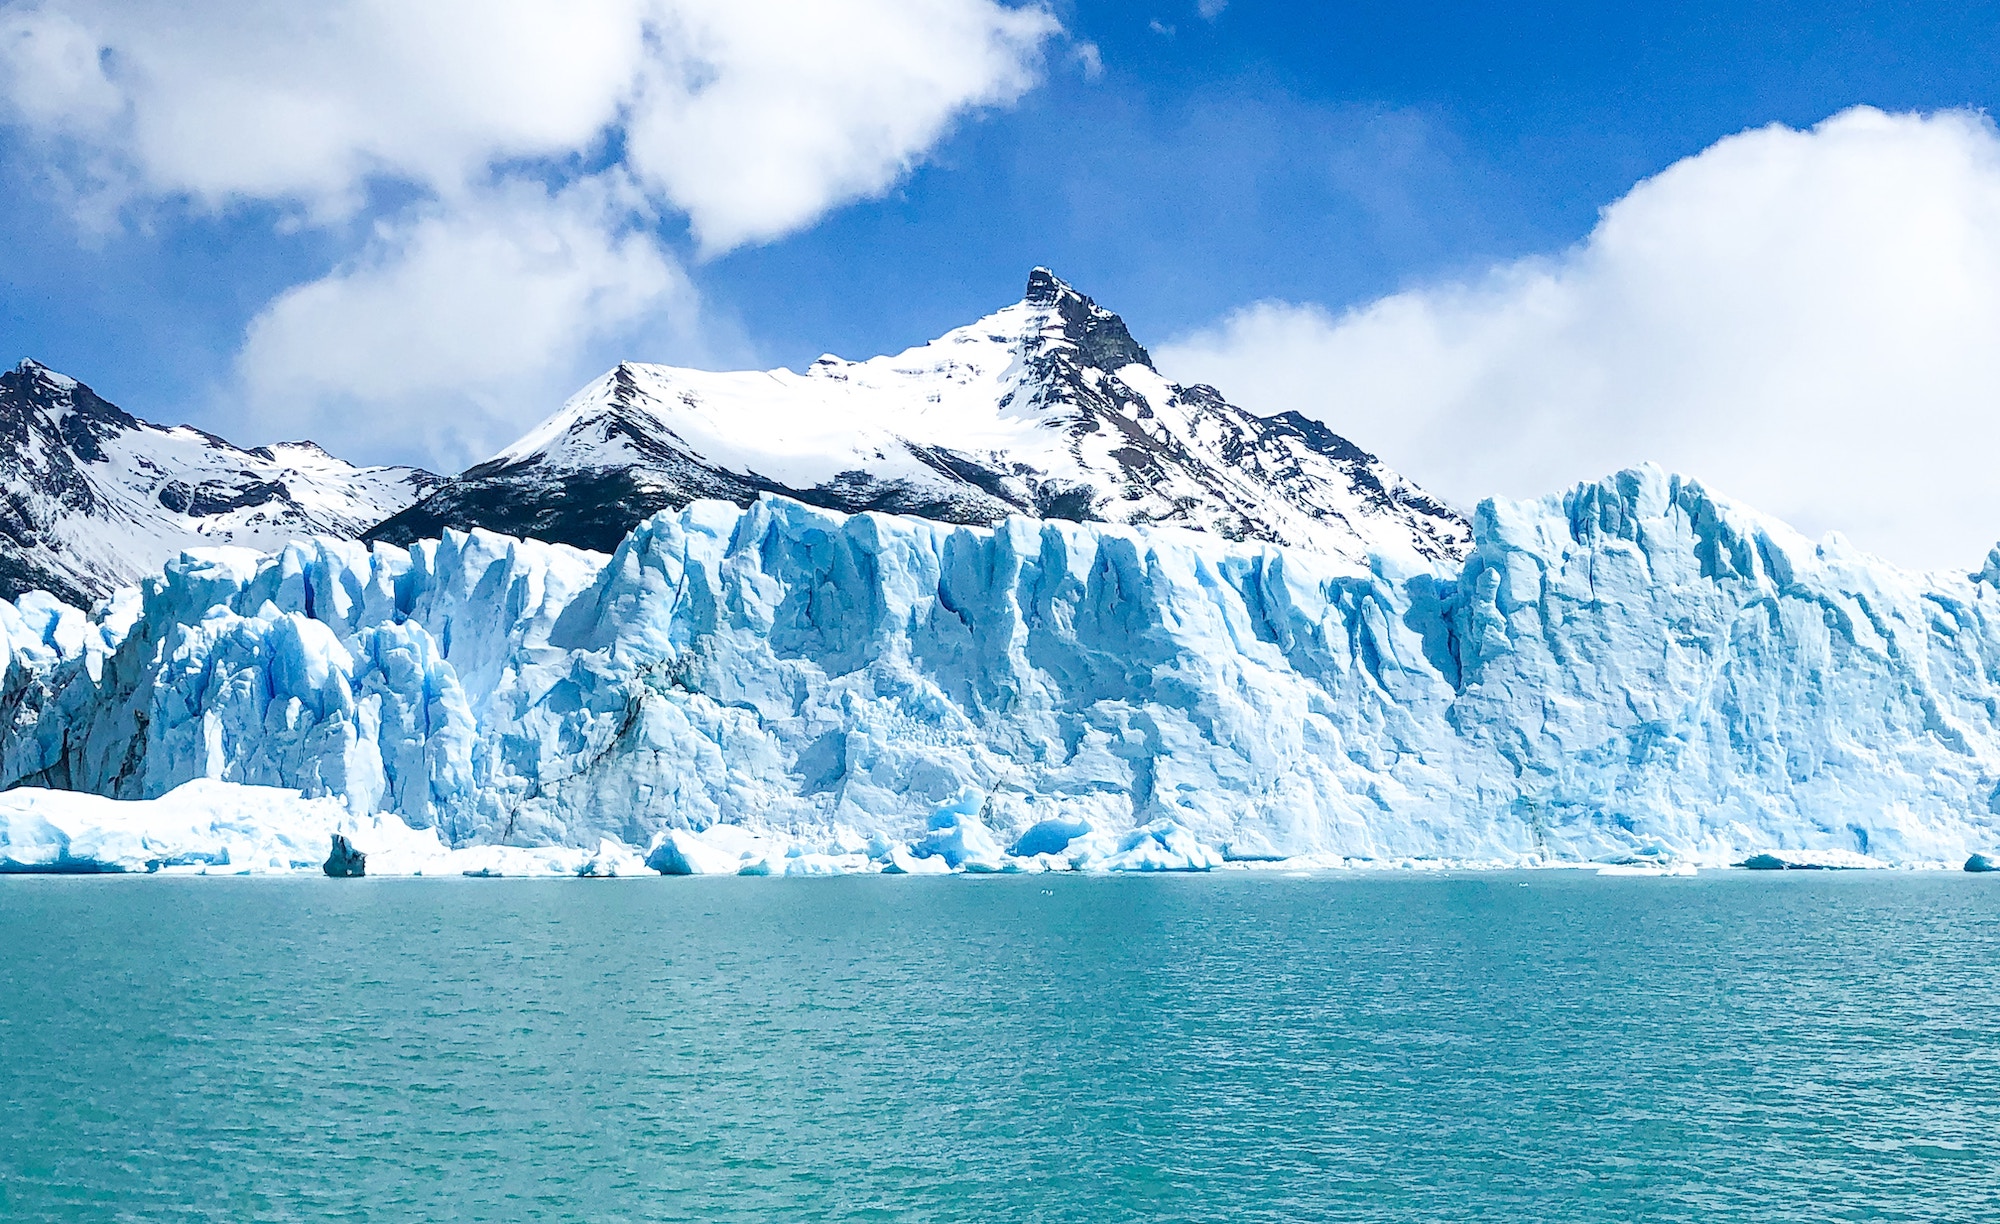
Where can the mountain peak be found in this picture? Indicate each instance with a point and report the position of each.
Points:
(1047, 407)
(1045, 288)
(30, 368)
(95, 498)
(1100, 336)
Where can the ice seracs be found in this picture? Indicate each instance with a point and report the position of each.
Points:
(93, 499)
(1636, 669)
(1047, 408)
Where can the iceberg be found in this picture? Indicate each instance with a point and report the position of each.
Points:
(1634, 667)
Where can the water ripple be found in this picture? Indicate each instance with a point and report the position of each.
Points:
(1381, 1048)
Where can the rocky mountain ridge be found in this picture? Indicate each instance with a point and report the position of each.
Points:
(1048, 408)
(92, 498)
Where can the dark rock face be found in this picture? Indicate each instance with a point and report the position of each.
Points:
(345, 862)
(596, 508)
(585, 509)
(47, 433)
(19, 575)
(1101, 337)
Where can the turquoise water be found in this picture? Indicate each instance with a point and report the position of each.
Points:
(1546, 1046)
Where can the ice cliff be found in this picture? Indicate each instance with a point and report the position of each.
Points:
(1634, 666)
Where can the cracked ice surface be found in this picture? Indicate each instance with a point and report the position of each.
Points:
(1633, 667)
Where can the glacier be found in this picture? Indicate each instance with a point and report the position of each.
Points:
(1634, 670)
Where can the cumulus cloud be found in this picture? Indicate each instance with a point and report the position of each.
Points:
(231, 100)
(453, 309)
(748, 118)
(1803, 319)
(756, 115)
(55, 77)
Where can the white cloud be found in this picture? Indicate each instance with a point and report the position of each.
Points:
(1210, 9)
(451, 313)
(53, 72)
(753, 116)
(1805, 320)
(759, 114)
(1089, 60)
(233, 100)
(750, 118)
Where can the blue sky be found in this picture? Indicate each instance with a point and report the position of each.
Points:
(1331, 153)
(1320, 157)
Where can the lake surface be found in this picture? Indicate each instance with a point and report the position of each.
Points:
(1393, 1046)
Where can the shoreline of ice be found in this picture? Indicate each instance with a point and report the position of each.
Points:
(209, 827)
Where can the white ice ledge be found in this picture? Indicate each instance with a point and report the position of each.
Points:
(207, 827)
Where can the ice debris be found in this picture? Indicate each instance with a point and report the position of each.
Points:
(345, 862)
(1811, 860)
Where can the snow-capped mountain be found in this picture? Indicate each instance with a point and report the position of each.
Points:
(92, 498)
(1047, 408)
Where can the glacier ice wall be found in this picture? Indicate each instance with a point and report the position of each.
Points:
(1636, 664)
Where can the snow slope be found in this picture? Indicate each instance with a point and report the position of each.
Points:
(1635, 667)
(92, 498)
(1047, 408)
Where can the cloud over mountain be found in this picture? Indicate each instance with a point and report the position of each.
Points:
(514, 157)
(1805, 318)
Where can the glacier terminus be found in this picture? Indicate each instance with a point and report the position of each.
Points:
(1635, 669)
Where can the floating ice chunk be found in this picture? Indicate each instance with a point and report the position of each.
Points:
(812, 864)
(614, 859)
(718, 850)
(961, 839)
(679, 852)
(1811, 860)
(1647, 869)
(345, 862)
(1049, 837)
(1161, 846)
(201, 824)
(499, 861)
(902, 862)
